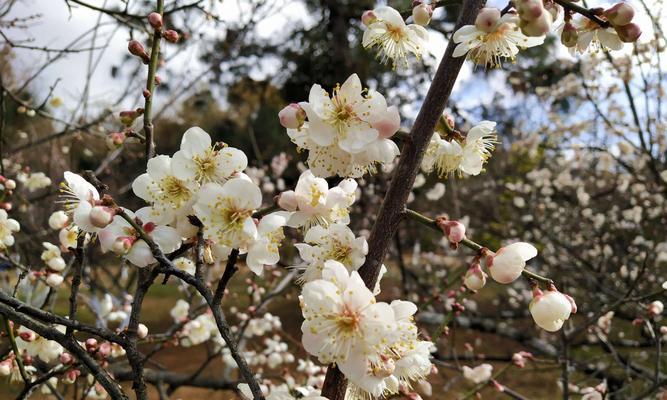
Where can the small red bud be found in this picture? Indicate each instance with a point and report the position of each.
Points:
(171, 36)
(137, 49)
(155, 19)
(147, 93)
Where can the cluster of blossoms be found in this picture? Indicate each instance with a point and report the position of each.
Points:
(375, 344)
(580, 33)
(346, 133)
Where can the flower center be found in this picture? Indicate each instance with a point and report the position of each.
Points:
(348, 321)
(174, 191)
(206, 166)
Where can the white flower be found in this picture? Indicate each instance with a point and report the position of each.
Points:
(180, 311)
(8, 226)
(475, 278)
(52, 257)
(37, 346)
(199, 330)
(314, 203)
(509, 261)
(121, 238)
(185, 265)
(34, 180)
(226, 211)
(477, 148)
(393, 38)
(342, 319)
(68, 236)
(160, 187)
(347, 133)
(278, 393)
(479, 374)
(79, 198)
(442, 156)
(264, 250)
(502, 41)
(590, 34)
(551, 309)
(58, 220)
(198, 161)
(335, 242)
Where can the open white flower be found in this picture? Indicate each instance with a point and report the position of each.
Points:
(38, 346)
(314, 203)
(199, 330)
(491, 46)
(8, 226)
(180, 311)
(335, 242)
(34, 180)
(342, 319)
(347, 133)
(479, 143)
(199, 161)
(226, 212)
(264, 250)
(509, 261)
(121, 238)
(442, 156)
(590, 34)
(393, 38)
(160, 187)
(551, 309)
(479, 374)
(79, 198)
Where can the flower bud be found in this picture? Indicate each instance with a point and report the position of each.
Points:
(6, 367)
(487, 18)
(122, 245)
(368, 17)
(629, 33)
(550, 310)
(530, 10)
(28, 336)
(509, 261)
(475, 278)
(91, 344)
(569, 36)
(101, 216)
(115, 140)
(58, 220)
(655, 308)
(70, 376)
(155, 19)
(142, 331)
(171, 36)
(137, 49)
(10, 184)
(104, 350)
(66, 358)
(54, 280)
(620, 14)
(421, 14)
(56, 263)
(538, 27)
(519, 359)
(292, 116)
(388, 124)
(287, 200)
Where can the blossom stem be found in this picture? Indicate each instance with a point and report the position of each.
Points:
(150, 87)
(426, 221)
(568, 5)
(15, 349)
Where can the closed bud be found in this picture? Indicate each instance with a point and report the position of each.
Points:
(155, 19)
(475, 278)
(550, 310)
(115, 140)
(104, 350)
(421, 14)
(91, 344)
(171, 36)
(287, 201)
(538, 27)
(620, 14)
(655, 308)
(101, 216)
(137, 49)
(122, 245)
(66, 358)
(54, 280)
(368, 17)
(56, 263)
(531, 10)
(70, 376)
(569, 36)
(629, 33)
(292, 116)
(507, 264)
(487, 18)
(142, 331)
(58, 220)
(10, 184)
(6, 367)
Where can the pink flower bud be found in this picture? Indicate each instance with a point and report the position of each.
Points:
(101, 216)
(28, 336)
(421, 14)
(142, 331)
(531, 10)
(71, 375)
(455, 230)
(620, 14)
(104, 350)
(115, 140)
(538, 27)
(475, 278)
(155, 19)
(91, 344)
(368, 17)
(149, 227)
(122, 245)
(171, 36)
(629, 33)
(655, 308)
(292, 116)
(389, 123)
(66, 358)
(487, 18)
(569, 36)
(287, 200)
(137, 49)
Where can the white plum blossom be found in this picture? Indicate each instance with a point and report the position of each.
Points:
(479, 374)
(185, 265)
(68, 236)
(475, 278)
(491, 45)
(335, 242)
(264, 250)
(34, 180)
(198, 330)
(507, 264)
(53, 257)
(121, 238)
(342, 320)
(37, 346)
(314, 203)
(394, 39)
(199, 161)
(551, 309)
(281, 392)
(79, 198)
(180, 311)
(226, 211)
(8, 226)
(58, 220)
(347, 133)
(591, 35)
